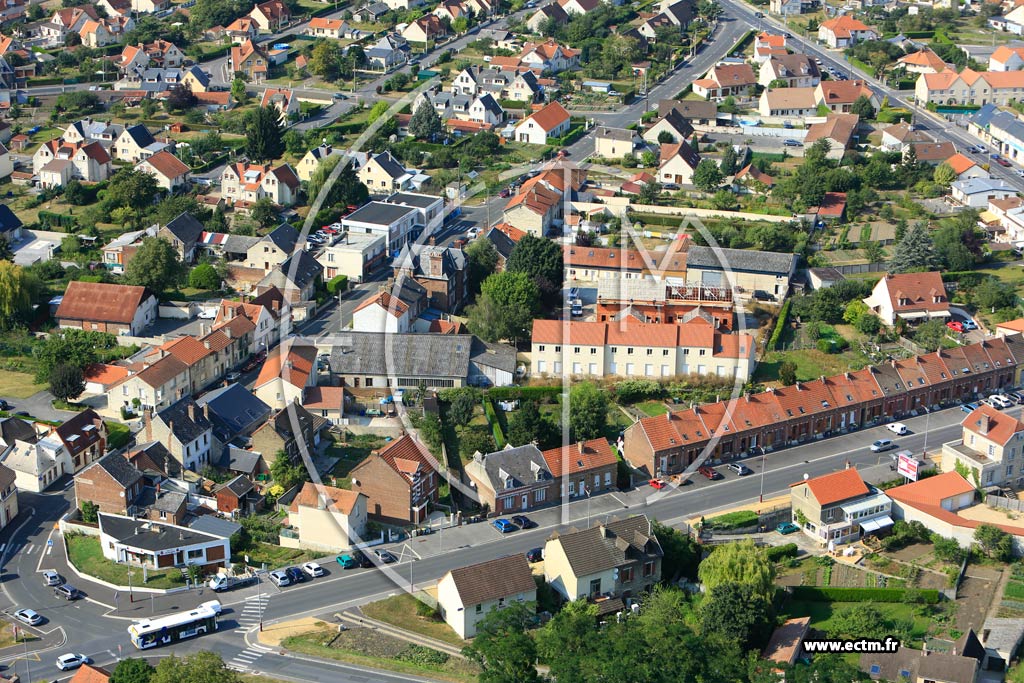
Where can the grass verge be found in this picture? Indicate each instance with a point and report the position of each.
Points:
(86, 554)
(401, 611)
(18, 385)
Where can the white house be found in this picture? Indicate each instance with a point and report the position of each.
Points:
(382, 313)
(910, 296)
(978, 192)
(158, 545)
(37, 465)
(465, 596)
(552, 121)
(326, 519)
(171, 173)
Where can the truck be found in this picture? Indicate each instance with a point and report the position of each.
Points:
(223, 582)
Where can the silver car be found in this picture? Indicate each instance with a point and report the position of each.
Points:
(279, 578)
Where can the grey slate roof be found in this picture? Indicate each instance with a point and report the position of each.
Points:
(502, 577)
(689, 109)
(239, 486)
(740, 260)
(239, 244)
(284, 237)
(379, 213)
(299, 270)
(151, 536)
(186, 429)
(234, 410)
(892, 666)
(119, 469)
(186, 228)
(236, 459)
(679, 123)
(166, 501)
(983, 116)
(501, 241)
(390, 165)
(491, 104)
(14, 428)
(406, 355)
(514, 467)
(160, 457)
(623, 134)
(420, 201)
(199, 75)
(215, 526)
(140, 135)
(497, 356)
(416, 258)
(8, 221)
(606, 546)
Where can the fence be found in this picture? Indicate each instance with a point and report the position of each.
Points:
(853, 269)
(911, 346)
(1005, 503)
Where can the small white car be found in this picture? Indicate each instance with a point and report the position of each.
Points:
(72, 661)
(28, 616)
(882, 445)
(473, 232)
(897, 428)
(52, 578)
(214, 605)
(1000, 401)
(313, 569)
(208, 314)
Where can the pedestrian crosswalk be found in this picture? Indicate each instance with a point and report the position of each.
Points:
(245, 659)
(253, 610)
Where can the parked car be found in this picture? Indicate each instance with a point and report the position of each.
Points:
(313, 569)
(295, 575)
(969, 324)
(792, 143)
(956, 326)
(28, 616)
(523, 522)
(787, 528)
(280, 578)
(505, 192)
(72, 661)
(1000, 401)
(897, 428)
(347, 562)
(739, 468)
(67, 591)
(969, 407)
(4, 405)
(1015, 396)
(52, 578)
(882, 445)
(710, 472)
(534, 555)
(233, 376)
(657, 484)
(504, 526)
(385, 556)
(473, 232)
(671, 187)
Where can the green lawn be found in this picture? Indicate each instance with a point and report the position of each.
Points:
(18, 384)
(87, 556)
(352, 452)
(821, 614)
(652, 408)
(274, 556)
(400, 610)
(7, 635)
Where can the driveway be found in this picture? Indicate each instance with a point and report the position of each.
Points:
(39, 405)
(36, 246)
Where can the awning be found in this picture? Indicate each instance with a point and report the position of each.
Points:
(988, 217)
(876, 523)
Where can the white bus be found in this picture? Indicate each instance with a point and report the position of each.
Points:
(170, 629)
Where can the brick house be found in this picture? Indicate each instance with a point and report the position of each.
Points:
(112, 482)
(238, 496)
(101, 307)
(583, 469)
(442, 271)
(84, 437)
(515, 479)
(399, 481)
(284, 430)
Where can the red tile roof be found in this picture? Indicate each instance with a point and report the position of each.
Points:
(314, 495)
(550, 117)
(1001, 427)
(101, 302)
(919, 291)
(167, 165)
(301, 359)
(836, 487)
(932, 490)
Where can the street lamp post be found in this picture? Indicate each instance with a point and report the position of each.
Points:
(259, 599)
(764, 466)
(131, 595)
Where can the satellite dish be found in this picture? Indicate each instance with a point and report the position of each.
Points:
(806, 476)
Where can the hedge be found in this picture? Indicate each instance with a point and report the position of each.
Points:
(492, 418)
(780, 324)
(524, 393)
(742, 43)
(833, 594)
(781, 552)
(61, 220)
(337, 284)
(967, 278)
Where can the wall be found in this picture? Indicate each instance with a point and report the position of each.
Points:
(623, 202)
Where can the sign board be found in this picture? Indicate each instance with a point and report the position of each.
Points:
(49, 542)
(907, 465)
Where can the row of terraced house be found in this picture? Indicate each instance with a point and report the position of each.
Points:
(785, 416)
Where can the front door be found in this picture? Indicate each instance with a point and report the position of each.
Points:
(526, 501)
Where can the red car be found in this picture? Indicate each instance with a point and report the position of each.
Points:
(330, 230)
(709, 472)
(505, 192)
(1003, 162)
(955, 325)
(657, 484)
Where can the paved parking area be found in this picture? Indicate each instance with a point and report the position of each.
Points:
(36, 246)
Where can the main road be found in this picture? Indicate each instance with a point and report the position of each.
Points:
(96, 626)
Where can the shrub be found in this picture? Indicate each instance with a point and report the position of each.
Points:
(633, 390)
(782, 552)
(773, 343)
(337, 284)
(833, 594)
(539, 394)
(492, 419)
(733, 520)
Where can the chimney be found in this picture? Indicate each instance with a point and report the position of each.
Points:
(170, 434)
(192, 411)
(580, 447)
(206, 343)
(432, 241)
(147, 419)
(206, 410)
(983, 424)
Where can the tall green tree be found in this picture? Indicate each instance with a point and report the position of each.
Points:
(155, 265)
(461, 406)
(863, 108)
(482, 260)
(567, 641)
(588, 411)
(238, 91)
(326, 60)
(201, 667)
(15, 293)
(504, 650)
(70, 347)
(915, 252)
(262, 211)
(741, 562)
(542, 260)
(707, 177)
(67, 382)
(681, 553)
(285, 473)
(528, 424)
(506, 307)
(132, 190)
(425, 124)
(264, 134)
(132, 670)
(346, 190)
(729, 161)
(739, 613)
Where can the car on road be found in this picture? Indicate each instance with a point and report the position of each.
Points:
(759, 15)
(67, 591)
(989, 402)
(52, 578)
(657, 484)
(280, 578)
(955, 325)
(340, 96)
(4, 405)
(473, 232)
(739, 468)
(504, 526)
(897, 428)
(787, 528)
(671, 187)
(295, 575)
(883, 445)
(28, 616)
(1000, 401)
(505, 192)
(313, 569)
(347, 562)
(361, 559)
(385, 556)
(72, 661)
(969, 407)
(534, 555)
(792, 143)
(213, 605)
(254, 362)
(233, 376)
(1014, 396)
(1020, 172)
(523, 522)
(1003, 162)
(710, 472)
